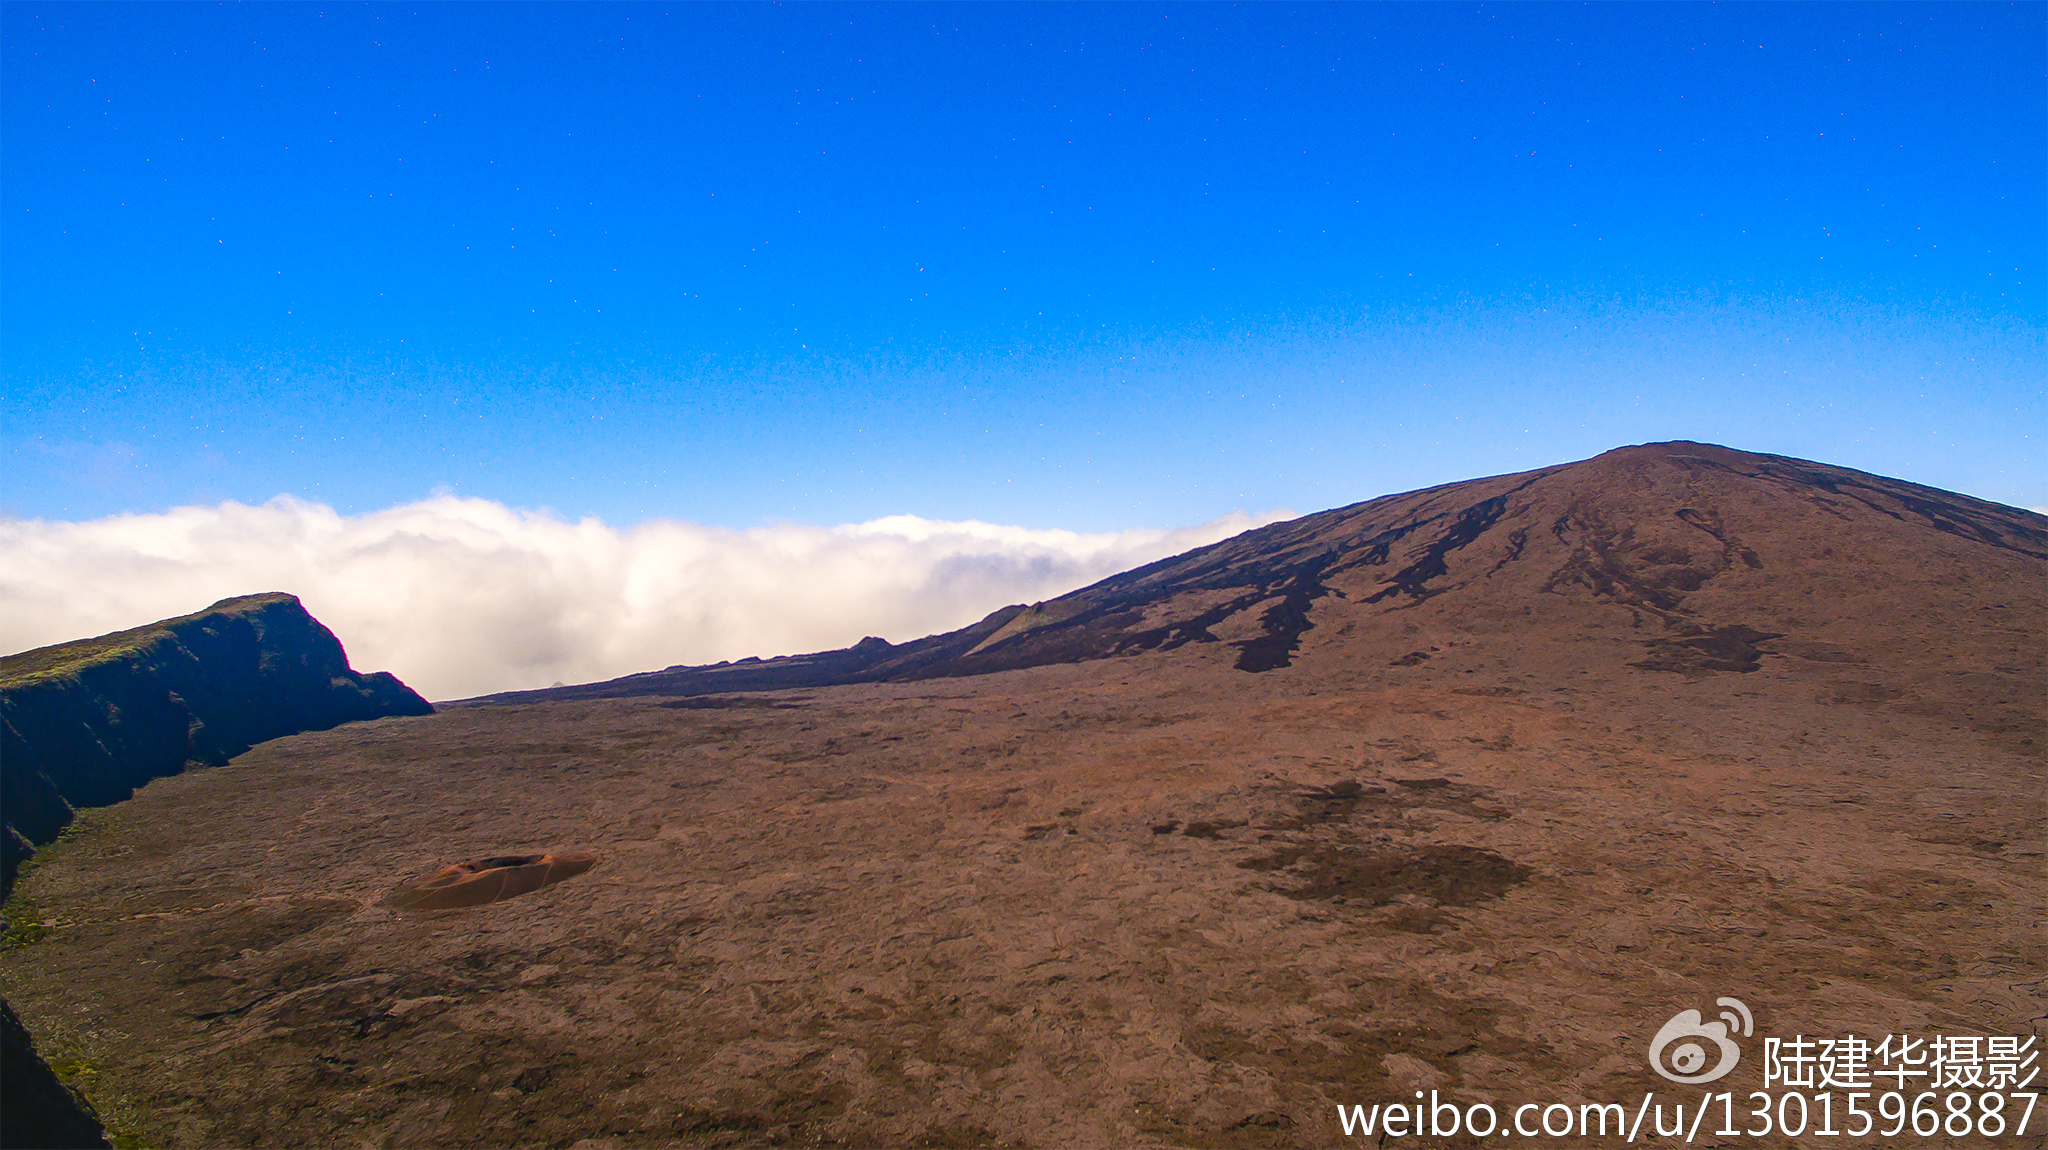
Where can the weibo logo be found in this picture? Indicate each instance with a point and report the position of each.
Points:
(1679, 1051)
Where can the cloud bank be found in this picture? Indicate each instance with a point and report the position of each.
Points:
(463, 597)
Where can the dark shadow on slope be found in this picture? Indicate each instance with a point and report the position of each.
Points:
(1296, 564)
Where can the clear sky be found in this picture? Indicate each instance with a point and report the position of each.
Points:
(1076, 266)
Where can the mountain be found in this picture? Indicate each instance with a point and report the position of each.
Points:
(82, 724)
(1706, 556)
(1484, 790)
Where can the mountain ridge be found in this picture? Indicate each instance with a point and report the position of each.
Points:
(1424, 536)
(82, 724)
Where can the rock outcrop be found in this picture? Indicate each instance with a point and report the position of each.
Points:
(37, 1112)
(83, 724)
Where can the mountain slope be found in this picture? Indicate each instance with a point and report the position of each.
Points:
(1691, 549)
(83, 724)
(1467, 790)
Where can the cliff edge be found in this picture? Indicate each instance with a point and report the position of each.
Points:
(82, 724)
(37, 1111)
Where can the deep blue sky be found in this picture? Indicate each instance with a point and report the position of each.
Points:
(1089, 266)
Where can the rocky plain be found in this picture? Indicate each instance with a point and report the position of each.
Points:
(1465, 790)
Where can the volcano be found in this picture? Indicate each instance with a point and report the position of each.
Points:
(1661, 546)
(1474, 790)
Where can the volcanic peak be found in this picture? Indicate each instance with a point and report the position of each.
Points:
(1682, 535)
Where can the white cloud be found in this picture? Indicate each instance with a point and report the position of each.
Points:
(462, 597)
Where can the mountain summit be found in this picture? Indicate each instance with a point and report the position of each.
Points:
(1681, 557)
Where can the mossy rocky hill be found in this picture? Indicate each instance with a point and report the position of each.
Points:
(83, 724)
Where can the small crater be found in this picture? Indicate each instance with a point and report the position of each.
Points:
(1449, 875)
(488, 880)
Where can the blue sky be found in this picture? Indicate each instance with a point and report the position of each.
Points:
(1087, 266)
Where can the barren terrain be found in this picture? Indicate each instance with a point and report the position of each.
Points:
(1478, 815)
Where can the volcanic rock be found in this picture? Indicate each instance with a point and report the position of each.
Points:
(1472, 789)
(1687, 542)
(481, 881)
(83, 724)
(37, 1112)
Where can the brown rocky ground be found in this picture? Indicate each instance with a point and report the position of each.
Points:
(1485, 834)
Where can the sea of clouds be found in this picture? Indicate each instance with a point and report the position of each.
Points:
(462, 597)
